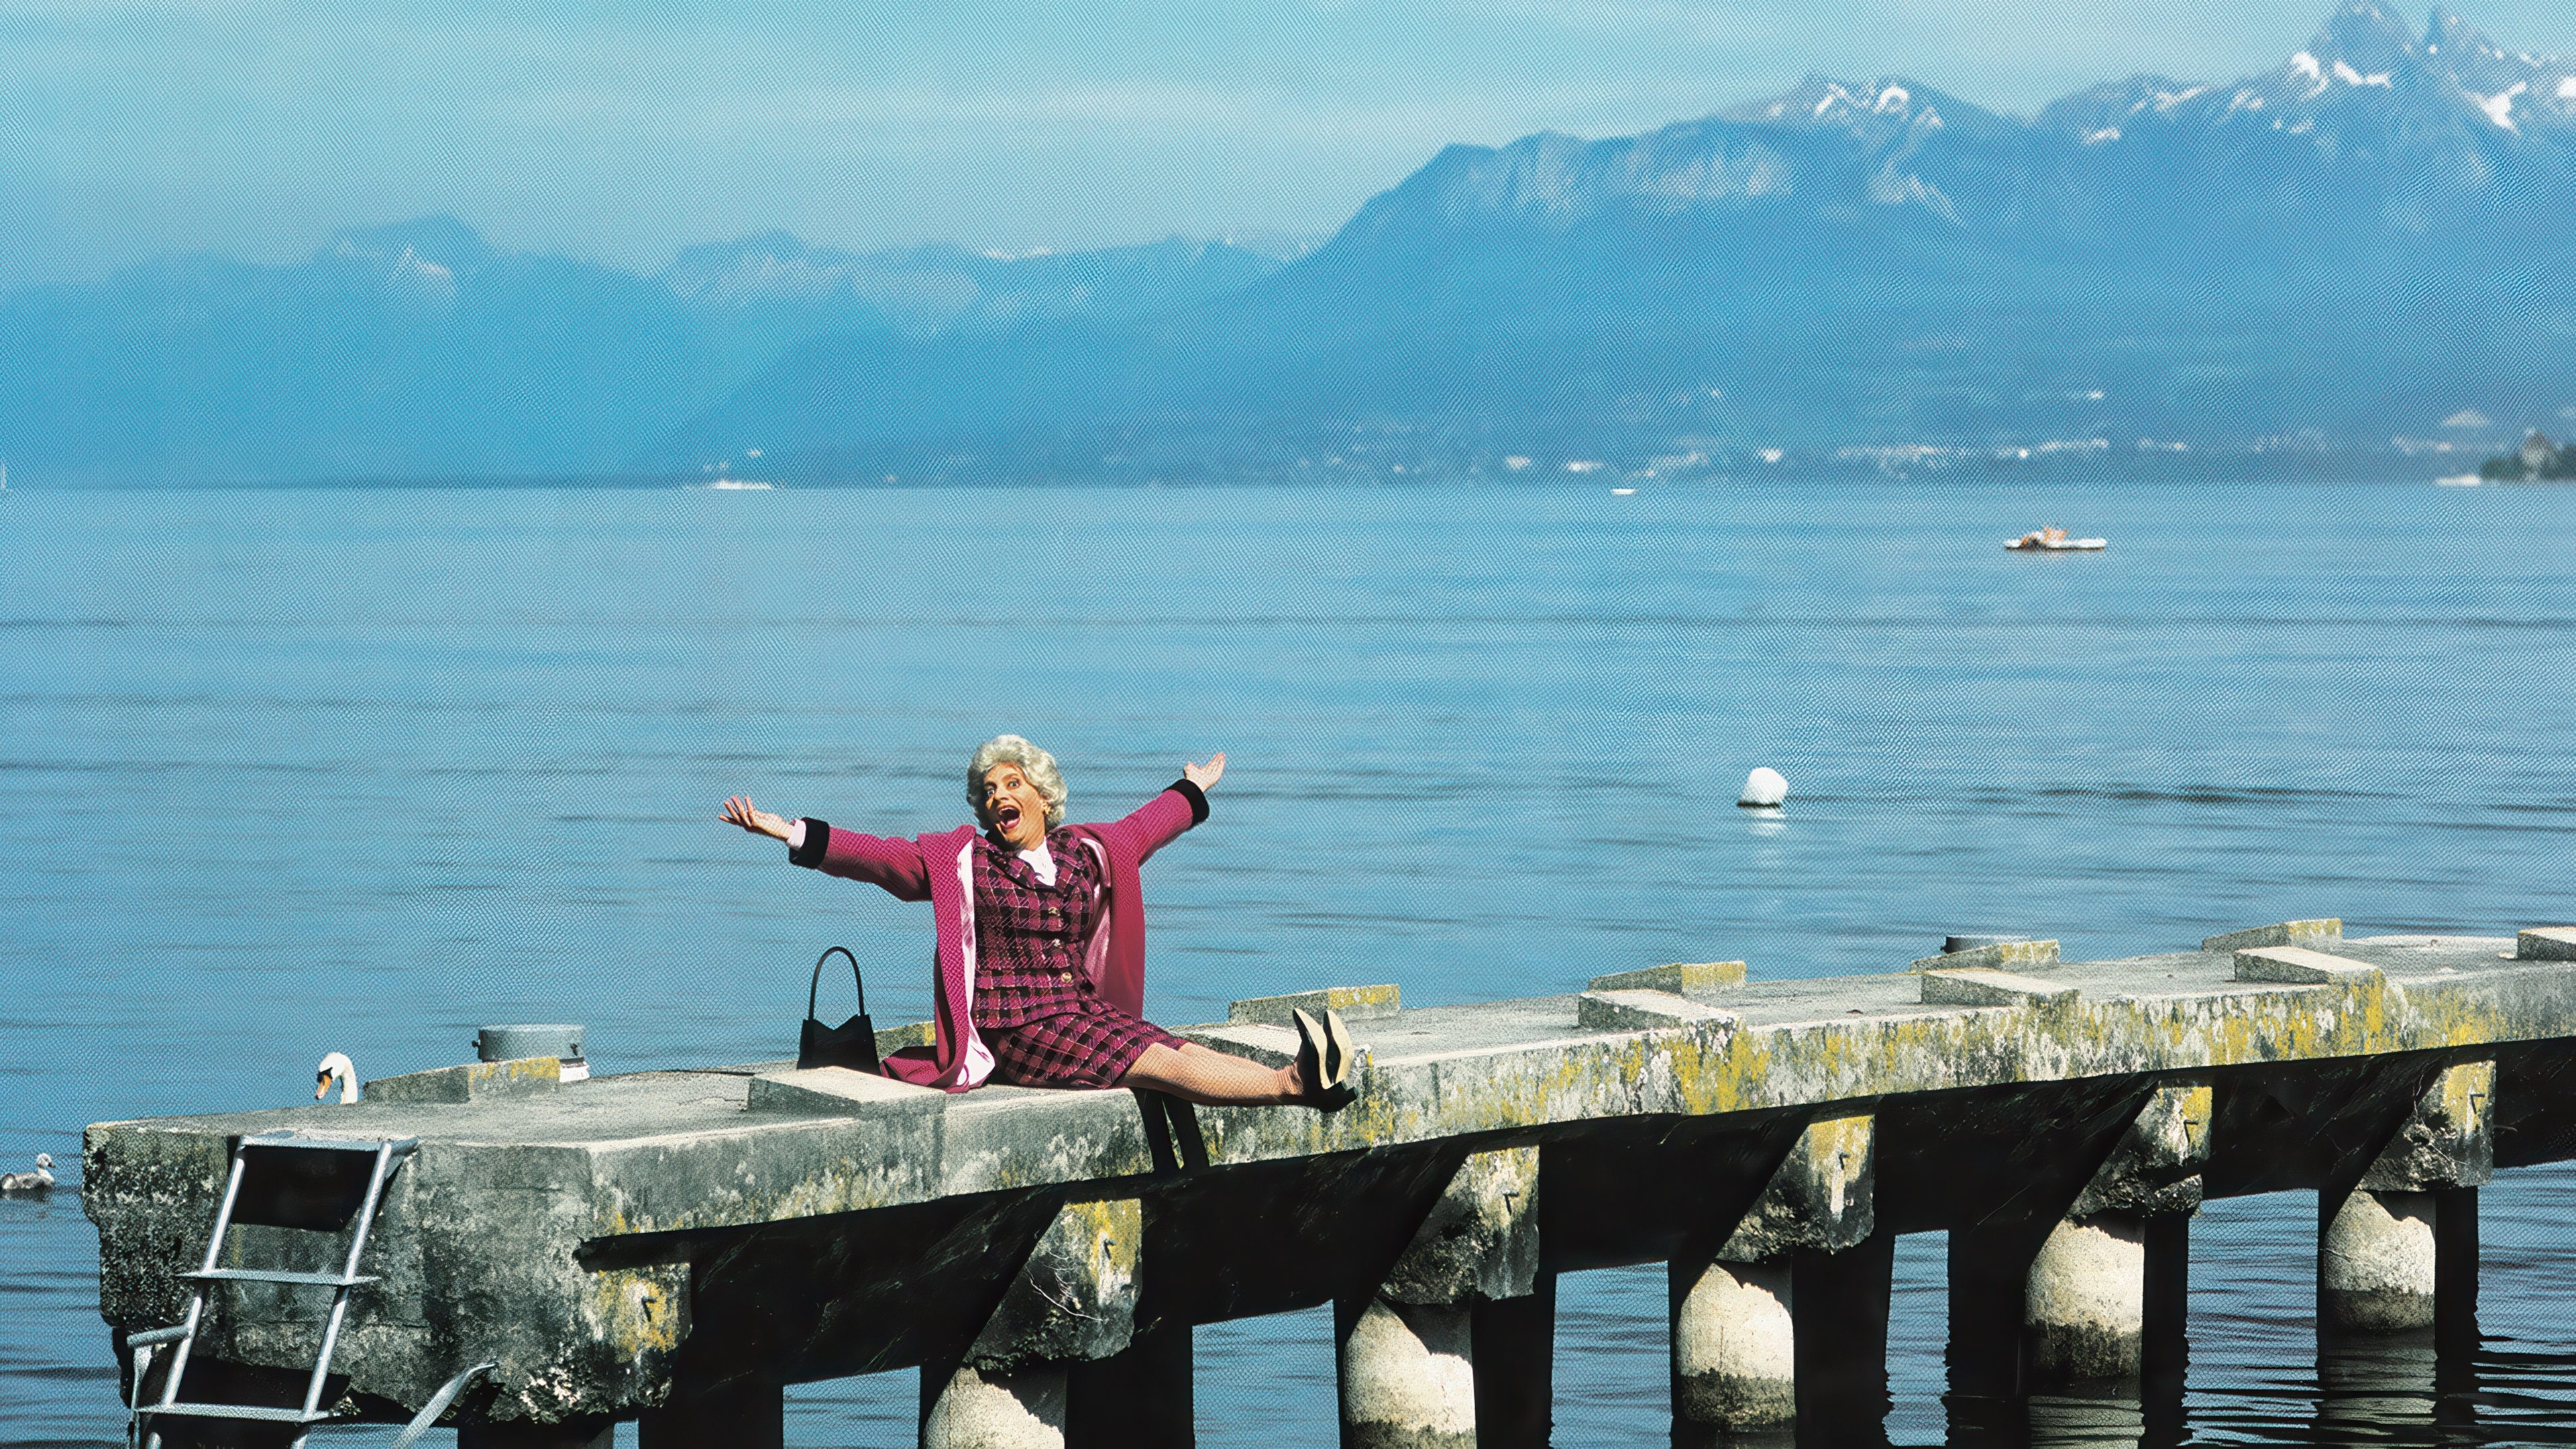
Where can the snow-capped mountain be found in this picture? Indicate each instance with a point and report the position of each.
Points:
(2370, 238)
(2360, 240)
(2367, 120)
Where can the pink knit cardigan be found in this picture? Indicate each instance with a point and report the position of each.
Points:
(939, 868)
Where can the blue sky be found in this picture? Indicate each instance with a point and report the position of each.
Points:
(620, 132)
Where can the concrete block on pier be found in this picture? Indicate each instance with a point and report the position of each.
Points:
(1822, 1197)
(2001, 956)
(2299, 966)
(471, 1082)
(1975, 986)
(2280, 933)
(1698, 980)
(840, 1089)
(1075, 1297)
(1479, 1242)
(2447, 1141)
(2156, 1167)
(1645, 1011)
(1355, 1003)
(2545, 943)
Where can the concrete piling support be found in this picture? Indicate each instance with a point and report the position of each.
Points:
(1839, 1311)
(2376, 1263)
(1408, 1376)
(2165, 1350)
(1073, 1301)
(985, 1409)
(2084, 1306)
(1735, 1342)
(1408, 1351)
(2104, 1297)
(2455, 1272)
(2097, 1296)
(1737, 1354)
(2385, 1263)
(1514, 1344)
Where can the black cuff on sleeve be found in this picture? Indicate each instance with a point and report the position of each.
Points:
(1192, 793)
(818, 838)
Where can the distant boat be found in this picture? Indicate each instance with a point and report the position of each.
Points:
(2053, 539)
(2460, 480)
(736, 484)
(1623, 492)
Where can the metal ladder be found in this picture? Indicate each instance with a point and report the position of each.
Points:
(319, 1184)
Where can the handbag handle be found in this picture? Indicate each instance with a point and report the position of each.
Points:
(811, 987)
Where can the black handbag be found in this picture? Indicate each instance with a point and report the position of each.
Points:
(853, 1043)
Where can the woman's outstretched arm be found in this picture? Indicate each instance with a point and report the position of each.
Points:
(1161, 820)
(893, 864)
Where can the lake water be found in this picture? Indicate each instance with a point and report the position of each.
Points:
(285, 772)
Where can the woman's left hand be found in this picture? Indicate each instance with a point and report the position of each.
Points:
(1205, 776)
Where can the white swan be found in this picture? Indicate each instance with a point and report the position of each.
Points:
(40, 1180)
(335, 1068)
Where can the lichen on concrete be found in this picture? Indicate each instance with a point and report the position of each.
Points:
(1480, 1240)
(2156, 1165)
(1821, 1198)
(1075, 1296)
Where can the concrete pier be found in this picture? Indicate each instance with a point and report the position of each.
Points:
(676, 1248)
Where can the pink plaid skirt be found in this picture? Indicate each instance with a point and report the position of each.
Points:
(1092, 1047)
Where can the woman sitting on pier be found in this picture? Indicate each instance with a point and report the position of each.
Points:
(1040, 977)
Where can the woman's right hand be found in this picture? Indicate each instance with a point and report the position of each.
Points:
(740, 811)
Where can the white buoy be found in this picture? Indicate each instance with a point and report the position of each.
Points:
(1764, 789)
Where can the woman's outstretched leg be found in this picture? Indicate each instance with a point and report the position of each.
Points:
(1210, 1078)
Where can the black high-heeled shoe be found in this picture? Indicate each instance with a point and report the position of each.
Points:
(1324, 1056)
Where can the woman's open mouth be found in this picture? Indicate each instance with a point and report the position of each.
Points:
(1006, 817)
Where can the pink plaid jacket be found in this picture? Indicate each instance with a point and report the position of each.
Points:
(939, 868)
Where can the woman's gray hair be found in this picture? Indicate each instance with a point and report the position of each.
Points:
(1036, 763)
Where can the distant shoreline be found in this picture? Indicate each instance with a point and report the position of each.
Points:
(2100, 469)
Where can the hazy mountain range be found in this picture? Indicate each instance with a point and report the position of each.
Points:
(2344, 251)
